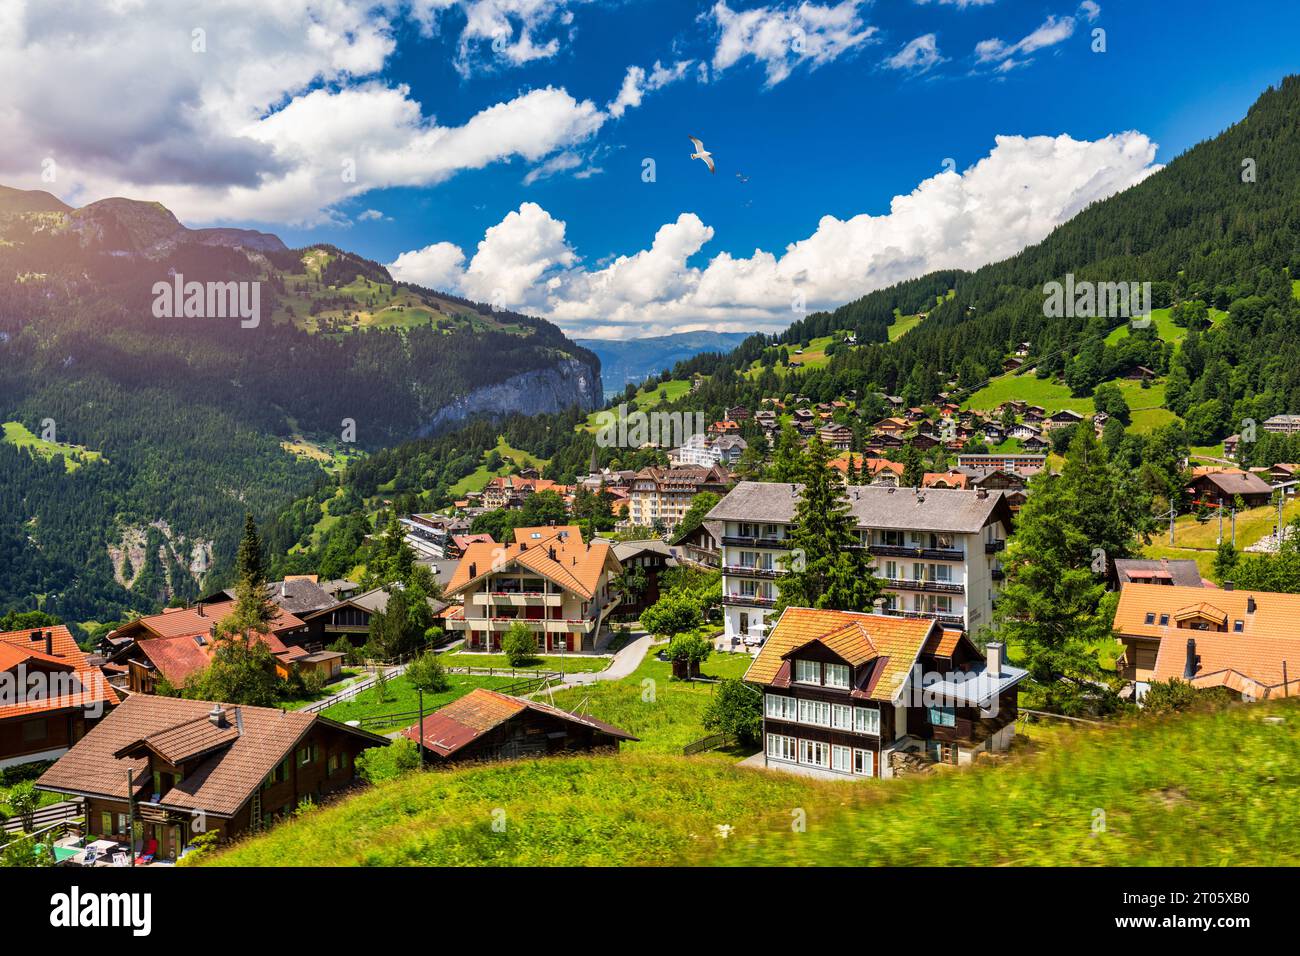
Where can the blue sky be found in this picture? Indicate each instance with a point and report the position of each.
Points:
(495, 158)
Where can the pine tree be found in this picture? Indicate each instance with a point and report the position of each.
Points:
(825, 567)
(253, 610)
(788, 459)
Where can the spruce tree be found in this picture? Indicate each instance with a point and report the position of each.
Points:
(825, 567)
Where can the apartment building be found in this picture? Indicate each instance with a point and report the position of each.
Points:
(662, 496)
(547, 578)
(936, 548)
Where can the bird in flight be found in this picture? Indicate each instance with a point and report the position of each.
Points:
(743, 179)
(702, 153)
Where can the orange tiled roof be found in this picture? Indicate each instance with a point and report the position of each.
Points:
(895, 640)
(17, 649)
(196, 620)
(576, 567)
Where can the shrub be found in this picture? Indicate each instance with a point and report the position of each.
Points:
(426, 673)
(735, 710)
(519, 645)
(385, 763)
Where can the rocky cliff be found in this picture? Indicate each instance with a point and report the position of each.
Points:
(567, 383)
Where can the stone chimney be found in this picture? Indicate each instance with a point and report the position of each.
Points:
(216, 717)
(993, 656)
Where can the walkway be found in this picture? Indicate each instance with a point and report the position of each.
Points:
(625, 662)
(356, 687)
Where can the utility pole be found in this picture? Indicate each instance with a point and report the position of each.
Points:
(1234, 527)
(130, 813)
(1220, 540)
(420, 733)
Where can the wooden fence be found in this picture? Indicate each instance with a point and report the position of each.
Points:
(48, 816)
(711, 742)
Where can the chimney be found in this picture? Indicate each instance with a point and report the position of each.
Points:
(35, 636)
(993, 654)
(49, 642)
(1227, 585)
(199, 609)
(1250, 605)
(982, 492)
(550, 553)
(1189, 669)
(216, 717)
(473, 570)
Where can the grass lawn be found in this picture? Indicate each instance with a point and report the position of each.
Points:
(401, 697)
(350, 676)
(903, 324)
(665, 713)
(1201, 790)
(572, 663)
(477, 479)
(12, 776)
(646, 398)
(1165, 327)
(1198, 541)
(74, 456)
(1045, 392)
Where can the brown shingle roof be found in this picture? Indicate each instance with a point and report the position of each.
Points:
(220, 785)
(576, 567)
(896, 642)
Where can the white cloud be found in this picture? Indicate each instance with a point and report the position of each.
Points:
(500, 31)
(267, 125)
(437, 266)
(1010, 199)
(1089, 10)
(917, 55)
(370, 215)
(782, 38)
(959, 4)
(1050, 32)
(636, 83)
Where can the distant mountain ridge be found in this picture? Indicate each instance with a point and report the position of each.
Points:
(631, 361)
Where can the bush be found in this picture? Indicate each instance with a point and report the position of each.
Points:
(736, 711)
(426, 673)
(519, 645)
(1176, 696)
(385, 763)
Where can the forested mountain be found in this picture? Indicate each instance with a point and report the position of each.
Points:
(190, 416)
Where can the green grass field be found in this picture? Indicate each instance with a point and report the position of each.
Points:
(903, 324)
(1165, 327)
(1206, 789)
(645, 400)
(74, 456)
(1198, 540)
(477, 479)
(401, 697)
(570, 663)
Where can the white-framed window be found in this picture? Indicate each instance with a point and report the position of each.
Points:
(841, 716)
(841, 759)
(814, 753)
(780, 707)
(807, 672)
(866, 721)
(815, 712)
(781, 747)
(864, 762)
(837, 675)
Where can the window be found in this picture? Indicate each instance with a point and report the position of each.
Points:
(866, 720)
(1151, 617)
(841, 717)
(807, 672)
(781, 747)
(841, 759)
(306, 755)
(837, 675)
(815, 712)
(814, 753)
(1164, 620)
(335, 763)
(279, 775)
(864, 762)
(780, 707)
(942, 716)
(1238, 626)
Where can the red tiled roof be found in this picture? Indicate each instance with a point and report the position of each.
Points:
(86, 688)
(196, 620)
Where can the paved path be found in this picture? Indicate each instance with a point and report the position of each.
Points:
(363, 683)
(625, 662)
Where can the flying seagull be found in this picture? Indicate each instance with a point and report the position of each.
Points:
(743, 179)
(702, 153)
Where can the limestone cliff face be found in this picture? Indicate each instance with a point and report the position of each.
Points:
(566, 383)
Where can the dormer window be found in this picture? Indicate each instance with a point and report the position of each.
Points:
(1164, 620)
(837, 675)
(807, 672)
(1151, 617)
(1238, 626)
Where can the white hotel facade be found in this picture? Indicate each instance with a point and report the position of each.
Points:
(937, 550)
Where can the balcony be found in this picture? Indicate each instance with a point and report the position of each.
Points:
(998, 574)
(742, 600)
(740, 570)
(936, 587)
(909, 551)
(539, 624)
(746, 541)
(951, 620)
(993, 547)
(518, 598)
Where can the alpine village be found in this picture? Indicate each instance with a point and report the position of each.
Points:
(928, 566)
